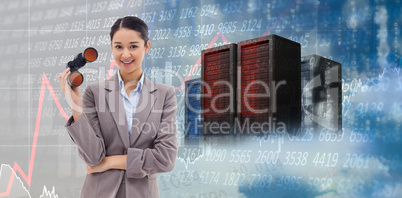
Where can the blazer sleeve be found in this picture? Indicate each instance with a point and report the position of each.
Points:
(86, 133)
(161, 158)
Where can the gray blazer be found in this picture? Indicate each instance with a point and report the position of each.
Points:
(102, 130)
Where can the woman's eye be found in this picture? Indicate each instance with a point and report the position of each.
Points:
(134, 46)
(117, 47)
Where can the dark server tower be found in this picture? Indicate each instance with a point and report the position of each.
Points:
(321, 92)
(269, 65)
(218, 89)
(192, 110)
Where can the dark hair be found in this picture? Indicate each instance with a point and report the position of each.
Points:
(132, 23)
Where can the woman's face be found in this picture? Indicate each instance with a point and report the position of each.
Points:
(129, 50)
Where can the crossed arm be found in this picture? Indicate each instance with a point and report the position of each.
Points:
(109, 162)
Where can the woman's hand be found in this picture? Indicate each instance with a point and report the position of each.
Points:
(109, 162)
(101, 167)
(73, 95)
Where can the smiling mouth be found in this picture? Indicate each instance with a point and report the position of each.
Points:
(129, 62)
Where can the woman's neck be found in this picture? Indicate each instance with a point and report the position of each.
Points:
(131, 79)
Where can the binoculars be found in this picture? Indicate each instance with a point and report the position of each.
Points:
(75, 78)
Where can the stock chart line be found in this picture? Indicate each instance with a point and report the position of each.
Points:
(16, 167)
(278, 19)
(7, 166)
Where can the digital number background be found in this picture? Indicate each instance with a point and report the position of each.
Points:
(38, 38)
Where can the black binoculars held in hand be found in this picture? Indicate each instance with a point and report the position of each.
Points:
(75, 78)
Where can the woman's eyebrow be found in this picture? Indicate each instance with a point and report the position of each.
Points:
(133, 42)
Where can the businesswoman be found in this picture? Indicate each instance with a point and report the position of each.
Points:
(125, 127)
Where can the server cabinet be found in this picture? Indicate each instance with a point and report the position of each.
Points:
(269, 84)
(218, 89)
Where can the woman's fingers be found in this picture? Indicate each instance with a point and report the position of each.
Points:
(67, 88)
(89, 170)
(66, 76)
(62, 74)
(68, 92)
(62, 77)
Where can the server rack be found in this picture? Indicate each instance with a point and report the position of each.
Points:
(321, 92)
(192, 110)
(218, 89)
(270, 66)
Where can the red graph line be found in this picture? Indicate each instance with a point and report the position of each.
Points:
(279, 19)
(16, 167)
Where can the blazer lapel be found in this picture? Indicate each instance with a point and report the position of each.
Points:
(144, 108)
(115, 102)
